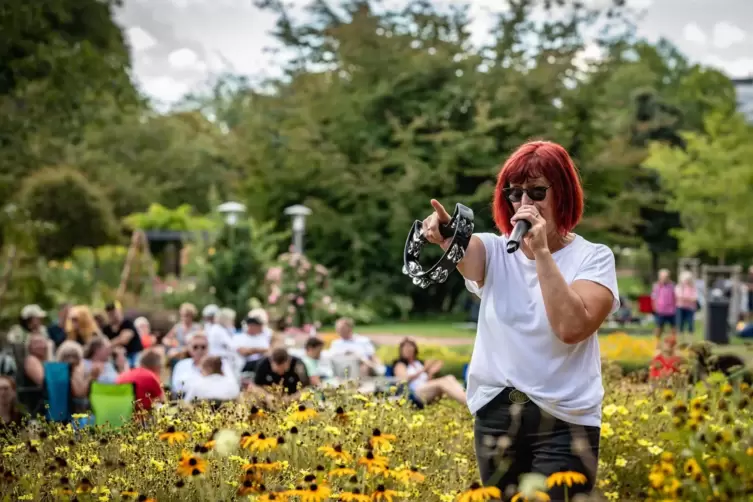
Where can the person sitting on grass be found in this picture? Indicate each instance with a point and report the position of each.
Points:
(213, 384)
(420, 377)
(279, 370)
(666, 363)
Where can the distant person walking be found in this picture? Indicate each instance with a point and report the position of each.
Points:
(686, 294)
(664, 304)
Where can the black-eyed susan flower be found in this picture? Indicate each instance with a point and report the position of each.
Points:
(410, 475)
(259, 442)
(272, 497)
(378, 438)
(336, 452)
(354, 496)
(341, 471)
(566, 478)
(478, 493)
(250, 487)
(383, 494)
(256, 413)
(373, 463)
(537, 496)
(303, 414)
(84, 486)
(341, 415)
(129, 494)
(255, 465)
(173, 436)
(191, 465)
(315, 493)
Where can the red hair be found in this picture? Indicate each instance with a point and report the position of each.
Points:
(541, 159)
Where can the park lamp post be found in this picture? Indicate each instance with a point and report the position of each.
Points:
(299, 213)
(232, 212)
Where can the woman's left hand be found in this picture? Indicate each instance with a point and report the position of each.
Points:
(535, 239)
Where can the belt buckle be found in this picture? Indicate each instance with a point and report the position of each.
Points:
(517, 397)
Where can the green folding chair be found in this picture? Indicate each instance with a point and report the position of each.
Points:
(112, 404)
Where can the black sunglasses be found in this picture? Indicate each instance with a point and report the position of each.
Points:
(199, 347)
(515, 194)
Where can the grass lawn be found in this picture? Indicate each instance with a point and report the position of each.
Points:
(432, 329)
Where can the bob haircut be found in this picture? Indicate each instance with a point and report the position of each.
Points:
(541, 159)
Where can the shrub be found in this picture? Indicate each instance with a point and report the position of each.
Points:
(79, 211)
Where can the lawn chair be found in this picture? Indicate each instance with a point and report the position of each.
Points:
(57, 382)
(112, 403)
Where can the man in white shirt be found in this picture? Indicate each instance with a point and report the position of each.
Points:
(350, 344)
(318, 367)
(212, 384)
(252, 344)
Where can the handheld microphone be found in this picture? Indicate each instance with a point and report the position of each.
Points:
(516, 237)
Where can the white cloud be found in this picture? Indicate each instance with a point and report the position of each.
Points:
(726, 34)
(693, 33)
(139, 39)
(186, 59)
(165, 89)
(735, 68)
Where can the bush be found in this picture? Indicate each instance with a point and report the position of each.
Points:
(79, 211)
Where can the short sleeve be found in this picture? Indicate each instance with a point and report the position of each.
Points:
(600, 268)
(262, 370)
(490, 242)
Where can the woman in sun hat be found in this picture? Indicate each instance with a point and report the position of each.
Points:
(534, 381)
(31, 322)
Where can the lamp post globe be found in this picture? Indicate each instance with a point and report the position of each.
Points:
(298, 213)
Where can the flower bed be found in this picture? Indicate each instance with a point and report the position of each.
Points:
(663, 445)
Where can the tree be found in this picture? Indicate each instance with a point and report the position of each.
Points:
(710, 184)
(62, 62)
(387, 108)
(79, 211)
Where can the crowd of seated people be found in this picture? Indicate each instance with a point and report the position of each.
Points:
(196, 360)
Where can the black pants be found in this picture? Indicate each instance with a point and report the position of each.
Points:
(514, 439)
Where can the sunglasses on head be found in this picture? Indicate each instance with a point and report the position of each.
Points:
(536, 194)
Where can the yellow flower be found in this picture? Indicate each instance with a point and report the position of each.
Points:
(303, 414)
(173, 436)
(191, 465)
(620, 462)
(567, 478)
(380, 439)
(478, 493)
(537, 496)
(336, 452)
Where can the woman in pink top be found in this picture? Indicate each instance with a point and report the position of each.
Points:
(687, 303)
(665, 305)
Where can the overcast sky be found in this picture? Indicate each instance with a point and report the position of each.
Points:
(177, 44)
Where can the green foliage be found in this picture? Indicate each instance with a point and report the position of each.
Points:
(88, 276)
(710, 183)
(299, 294)
(79, 211)
(20, 284)
(180, 219)
(232, 266)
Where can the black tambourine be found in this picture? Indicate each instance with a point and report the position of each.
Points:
(460, 229)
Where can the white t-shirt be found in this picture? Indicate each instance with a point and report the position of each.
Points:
(246, 341)
(515, 344)
(184, 372)
(357, 345)
(219, 387)
(416, 367)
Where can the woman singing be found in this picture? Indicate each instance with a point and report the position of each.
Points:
(534, 382)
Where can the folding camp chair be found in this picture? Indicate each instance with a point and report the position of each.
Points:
(112, 403)
(57, 382)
